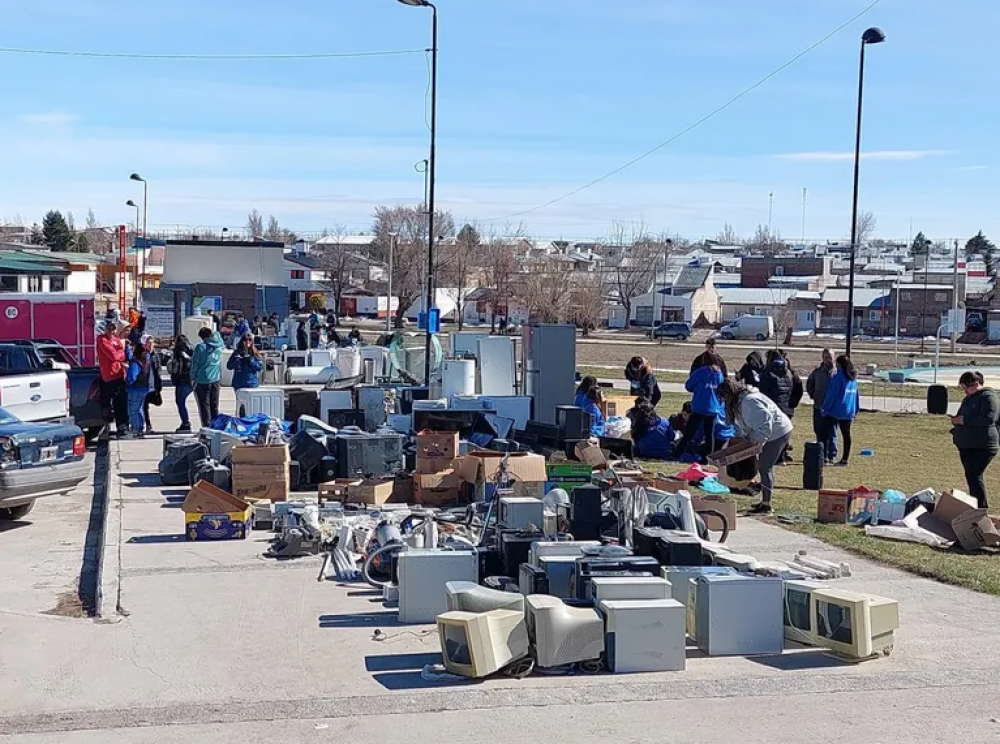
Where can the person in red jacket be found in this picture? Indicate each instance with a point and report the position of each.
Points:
(113, 363)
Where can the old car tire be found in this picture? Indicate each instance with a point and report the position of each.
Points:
(16, 512)
(760, 336)
(682, 338)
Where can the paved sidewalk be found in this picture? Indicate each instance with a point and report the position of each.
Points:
(220, 642)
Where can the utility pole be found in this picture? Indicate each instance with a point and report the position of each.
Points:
(804, 192)
(770, 211)
(954, 300)
(393, 237)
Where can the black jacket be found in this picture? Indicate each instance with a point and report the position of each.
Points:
(700, 361)
(751, 371)
(644, 384)
(978, 430)
(782, 386)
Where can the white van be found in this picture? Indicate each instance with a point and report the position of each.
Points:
(758, 327)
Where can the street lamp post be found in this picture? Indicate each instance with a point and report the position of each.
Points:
(141, 258)
(393, 237)
(871, 36)
(135, 288)
(431, 172)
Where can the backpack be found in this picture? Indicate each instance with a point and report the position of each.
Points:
(179, 364)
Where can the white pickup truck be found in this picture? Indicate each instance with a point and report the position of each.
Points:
(35, 396)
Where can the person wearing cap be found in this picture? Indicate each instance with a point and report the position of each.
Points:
(245, 363)
(155, 395)
(112, 361)
(206, 372)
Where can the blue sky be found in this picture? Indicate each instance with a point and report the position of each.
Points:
(537, 97)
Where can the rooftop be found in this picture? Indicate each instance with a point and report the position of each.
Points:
(753, 296)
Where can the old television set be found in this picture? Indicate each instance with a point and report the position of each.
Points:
(564, 635)
(467, 596)
(477, 644)
(857, 626)
(798, 611)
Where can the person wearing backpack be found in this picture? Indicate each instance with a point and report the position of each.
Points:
(137, 381)
(179, 368)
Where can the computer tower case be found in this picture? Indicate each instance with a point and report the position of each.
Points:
(679, 549)
(585, 513)
(739, 615)
(813, 455)
(409, 394)
(589, 566)
(532, 580)
(300, 402)
(370, 455)
(573, 422)
(490, 562)
(515, 549)
(645, 541)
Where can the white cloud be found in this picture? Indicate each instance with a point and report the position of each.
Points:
(973, 168)
(827, 156)
(52, 117)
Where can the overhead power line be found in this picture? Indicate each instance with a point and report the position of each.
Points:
(653, 150)
(208, 57)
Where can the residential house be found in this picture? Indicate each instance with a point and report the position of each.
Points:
(479, 310)
(872, 315)
(756, 301)
(691, 297)
(922, 308)
(756, 271)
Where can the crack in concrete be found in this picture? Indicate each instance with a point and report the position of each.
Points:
(437, 698)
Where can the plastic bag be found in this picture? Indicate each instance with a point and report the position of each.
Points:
(617, 427)
(712, 485)
(246, 427)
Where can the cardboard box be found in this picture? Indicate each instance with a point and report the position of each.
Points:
(212, 514)
(438, 489)
(568, 475)
(975, 530)
(336, 490)
(371, 492)
(436, 451)
(737, 450)
(525, 470)
(726, 507)
(670, 485)
(248, 454)
(256, 482)
(591, 453)
(950, 505)
(856, 506)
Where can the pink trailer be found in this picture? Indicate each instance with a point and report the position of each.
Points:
(66, 318)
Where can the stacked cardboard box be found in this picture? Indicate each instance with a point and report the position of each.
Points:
(435, 482)
(261, 472)
(212, 514)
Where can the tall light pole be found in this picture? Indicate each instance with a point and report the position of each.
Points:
(770, 211)
(954, 299)
(431, 168)
(393, 237)
(871, 36)
(135, 288)
(141, 258)
(805, 191)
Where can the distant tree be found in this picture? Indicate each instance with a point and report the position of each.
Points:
(638, 259)
(56, 232)
(921, 245)
(71, 222)
(255, 224)
(866, 227)
(460, 266)
(37, 237)
(979, 244)
(274, 231)
(92, 223)
(81, 244)
(728, 236)
(334, 258)
(501, 265)
(766, 243)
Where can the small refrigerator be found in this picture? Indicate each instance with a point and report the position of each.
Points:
(549, 367)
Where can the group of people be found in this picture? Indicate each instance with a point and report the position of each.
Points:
(309, 333)
(131, 379)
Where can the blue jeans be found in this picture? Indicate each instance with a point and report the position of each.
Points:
(830, 444)
(136, 417)
(182, 392)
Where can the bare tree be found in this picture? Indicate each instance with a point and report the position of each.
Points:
(587, 303)
(547, 292)
(334, 258)
(459, 268)
(636, 257)
(255, 224)
(410, 257)
(92, 223)
(766, 243)
(866, 227)
(728, 236)
(501, 264)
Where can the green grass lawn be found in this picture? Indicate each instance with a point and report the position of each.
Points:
(912, 452)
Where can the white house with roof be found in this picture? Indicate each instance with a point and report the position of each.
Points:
(690, 296)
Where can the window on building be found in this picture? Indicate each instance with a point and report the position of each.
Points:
(298, 274)
(874, 315)
(905, 296)
(57, 284)
(8, 283)
(940, 297)
(34, 283)
(810, 317)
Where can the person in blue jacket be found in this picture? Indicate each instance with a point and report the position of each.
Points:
(242, 329)
(587, 384)
(841, 406)
(593, 407)
(652, 435)
(246, 364)
(137, 380)
(724, 431)
(705, 405)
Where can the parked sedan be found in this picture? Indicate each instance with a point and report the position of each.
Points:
(680, 331)
(37, 460)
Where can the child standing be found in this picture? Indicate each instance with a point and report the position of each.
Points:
(137, 382)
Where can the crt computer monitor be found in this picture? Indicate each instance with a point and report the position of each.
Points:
(467, 596)
(562, 634)
(477, 644)
(797, 610)
(854, 625)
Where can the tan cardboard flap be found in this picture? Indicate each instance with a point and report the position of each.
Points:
(204, 498)
(523, 467)
(249, 454)
(975, 530)
(952, 504)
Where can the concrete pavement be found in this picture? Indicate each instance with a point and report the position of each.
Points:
(221, 642)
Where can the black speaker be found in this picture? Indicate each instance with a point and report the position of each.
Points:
(327, 469)
(490, 562)
(307, 450)
(532, 580)
(813, 456)
(645, 540)
(937, 400)
(586, 513)
(679, 549)
(300, 402)
(515, 549)
(338, 418)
